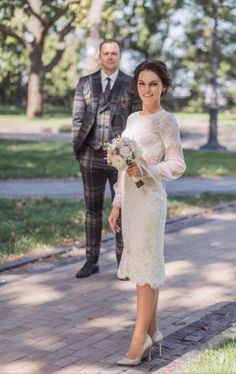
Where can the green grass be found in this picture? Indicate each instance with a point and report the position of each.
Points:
(179, 205)
(20, 159)
(224, 118)
(210, 164)
(58, 118)
(215, 360)
(49, 111)
(32, 225)
(29, 226)
(25, 159)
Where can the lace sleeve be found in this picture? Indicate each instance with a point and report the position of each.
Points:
(173, 165)
(118, 188)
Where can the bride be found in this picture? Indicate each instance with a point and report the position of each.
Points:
(144, 209)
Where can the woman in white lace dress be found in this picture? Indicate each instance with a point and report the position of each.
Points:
(144, 209)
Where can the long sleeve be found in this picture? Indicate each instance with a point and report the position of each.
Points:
(118, 188)
(173, 165)
(78, 109)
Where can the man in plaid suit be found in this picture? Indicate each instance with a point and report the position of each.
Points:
(103, 100)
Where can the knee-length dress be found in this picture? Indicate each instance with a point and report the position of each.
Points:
(143, 209)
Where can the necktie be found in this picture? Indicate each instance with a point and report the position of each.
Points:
(107, 90)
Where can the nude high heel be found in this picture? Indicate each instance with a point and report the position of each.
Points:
(157, 338)
(147, 350)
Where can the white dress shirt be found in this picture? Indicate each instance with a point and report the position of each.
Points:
(112, 77)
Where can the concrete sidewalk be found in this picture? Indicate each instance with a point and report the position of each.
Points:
(72, 188)
(52, 322)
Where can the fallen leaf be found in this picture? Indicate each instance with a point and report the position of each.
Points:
(91, 318)
(204, 327)
(179, 323)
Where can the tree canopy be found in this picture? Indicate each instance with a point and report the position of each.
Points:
(44, 45)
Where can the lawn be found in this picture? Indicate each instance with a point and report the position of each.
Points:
(20, 159)
(58, 118)
(224, 118)
(210, 164)
(24, 159)
(214, 360)
(29, 226)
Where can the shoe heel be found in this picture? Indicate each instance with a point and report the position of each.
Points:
(150, 354)
(160, 348)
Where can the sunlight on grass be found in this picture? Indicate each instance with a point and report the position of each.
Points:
(215, 360)
(29, 226)
(224, 118)
(210, 164)
(24, 159)
(20, 159)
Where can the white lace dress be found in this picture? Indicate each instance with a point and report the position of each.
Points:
(144, 209)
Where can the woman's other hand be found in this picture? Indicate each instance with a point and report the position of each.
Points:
(112, 219)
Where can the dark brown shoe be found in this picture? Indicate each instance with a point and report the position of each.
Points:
(88, 269)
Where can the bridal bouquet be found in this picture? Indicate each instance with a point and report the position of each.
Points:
(122, 152)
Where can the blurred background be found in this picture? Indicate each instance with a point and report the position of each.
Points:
(46, 45)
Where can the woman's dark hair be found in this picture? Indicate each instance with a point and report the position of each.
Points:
(157, 67)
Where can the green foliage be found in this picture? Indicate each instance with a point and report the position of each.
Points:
(14, 69)
(61, 81)
(178, 32)
(18, 35)
(141, 26)
(194, 48)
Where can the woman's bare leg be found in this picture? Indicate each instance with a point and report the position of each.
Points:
(146, 304)
(153, 324)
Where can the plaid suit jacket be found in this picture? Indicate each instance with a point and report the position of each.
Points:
(123, 102)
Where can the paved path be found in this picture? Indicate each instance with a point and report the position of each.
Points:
(53, 323)
(72, 188)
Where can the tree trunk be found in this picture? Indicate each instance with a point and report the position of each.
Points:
(35, 85)
(93, 41)
(36, 76)
(213, 143)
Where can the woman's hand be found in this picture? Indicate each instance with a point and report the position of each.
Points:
(133, 170)
(115, 212)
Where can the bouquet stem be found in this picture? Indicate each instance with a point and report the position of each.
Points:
(139, 183)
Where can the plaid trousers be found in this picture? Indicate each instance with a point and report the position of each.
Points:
(95, 173)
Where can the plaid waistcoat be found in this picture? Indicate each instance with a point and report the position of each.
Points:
(113, 115)
(101, 132)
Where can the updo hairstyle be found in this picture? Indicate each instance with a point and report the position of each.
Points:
(157, 67)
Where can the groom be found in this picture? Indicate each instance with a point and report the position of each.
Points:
(103, 100)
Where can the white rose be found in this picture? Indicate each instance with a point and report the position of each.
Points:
(125, 152)
(118, 162)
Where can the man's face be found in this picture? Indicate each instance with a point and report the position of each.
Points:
(110, 57)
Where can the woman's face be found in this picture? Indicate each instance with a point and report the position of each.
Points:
(149, 87)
